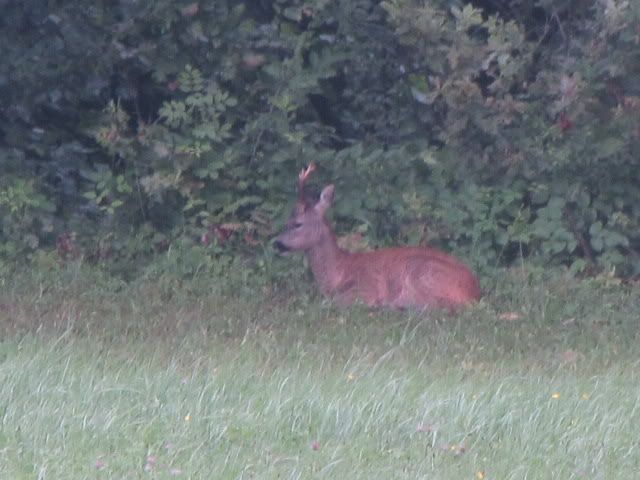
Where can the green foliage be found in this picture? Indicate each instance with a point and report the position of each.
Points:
(26, 214)
(554, 133)
(504, 129)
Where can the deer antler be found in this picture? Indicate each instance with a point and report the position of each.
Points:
(302, 178)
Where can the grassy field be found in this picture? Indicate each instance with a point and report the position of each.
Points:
(99, 379)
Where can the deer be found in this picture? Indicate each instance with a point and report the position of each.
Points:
(398, 278)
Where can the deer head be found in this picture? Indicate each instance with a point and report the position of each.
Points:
(307, 226)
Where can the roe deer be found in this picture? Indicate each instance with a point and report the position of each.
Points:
(400, 277)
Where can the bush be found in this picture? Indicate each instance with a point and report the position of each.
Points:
(505, 129)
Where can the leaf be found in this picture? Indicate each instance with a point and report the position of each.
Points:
(173, 112)
(597, 244)
(555, 207)
(615, 239)
(609, 146)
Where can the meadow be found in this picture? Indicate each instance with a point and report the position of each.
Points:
(171, 379)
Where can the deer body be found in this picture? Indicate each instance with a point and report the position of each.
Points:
(400, 277)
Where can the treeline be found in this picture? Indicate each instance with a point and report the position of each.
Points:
(503, 128)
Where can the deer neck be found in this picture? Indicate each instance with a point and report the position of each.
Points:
(326, 260)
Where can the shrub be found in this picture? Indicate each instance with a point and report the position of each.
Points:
(506, 129)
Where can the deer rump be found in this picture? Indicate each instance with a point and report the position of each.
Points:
(399, 277)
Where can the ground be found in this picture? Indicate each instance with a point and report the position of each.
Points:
(101, 379)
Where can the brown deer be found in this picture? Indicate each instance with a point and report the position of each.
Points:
(400, 277)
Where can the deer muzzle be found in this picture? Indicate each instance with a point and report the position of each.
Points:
(281, 247)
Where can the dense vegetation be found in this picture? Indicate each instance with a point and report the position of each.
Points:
(502, 128)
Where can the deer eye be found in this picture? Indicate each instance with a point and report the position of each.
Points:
(297, 225)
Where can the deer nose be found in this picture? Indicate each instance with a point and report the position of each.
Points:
(281, 247)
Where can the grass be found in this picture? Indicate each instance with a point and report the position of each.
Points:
(157, 379)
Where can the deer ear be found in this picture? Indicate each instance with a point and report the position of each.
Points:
(326, 199)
